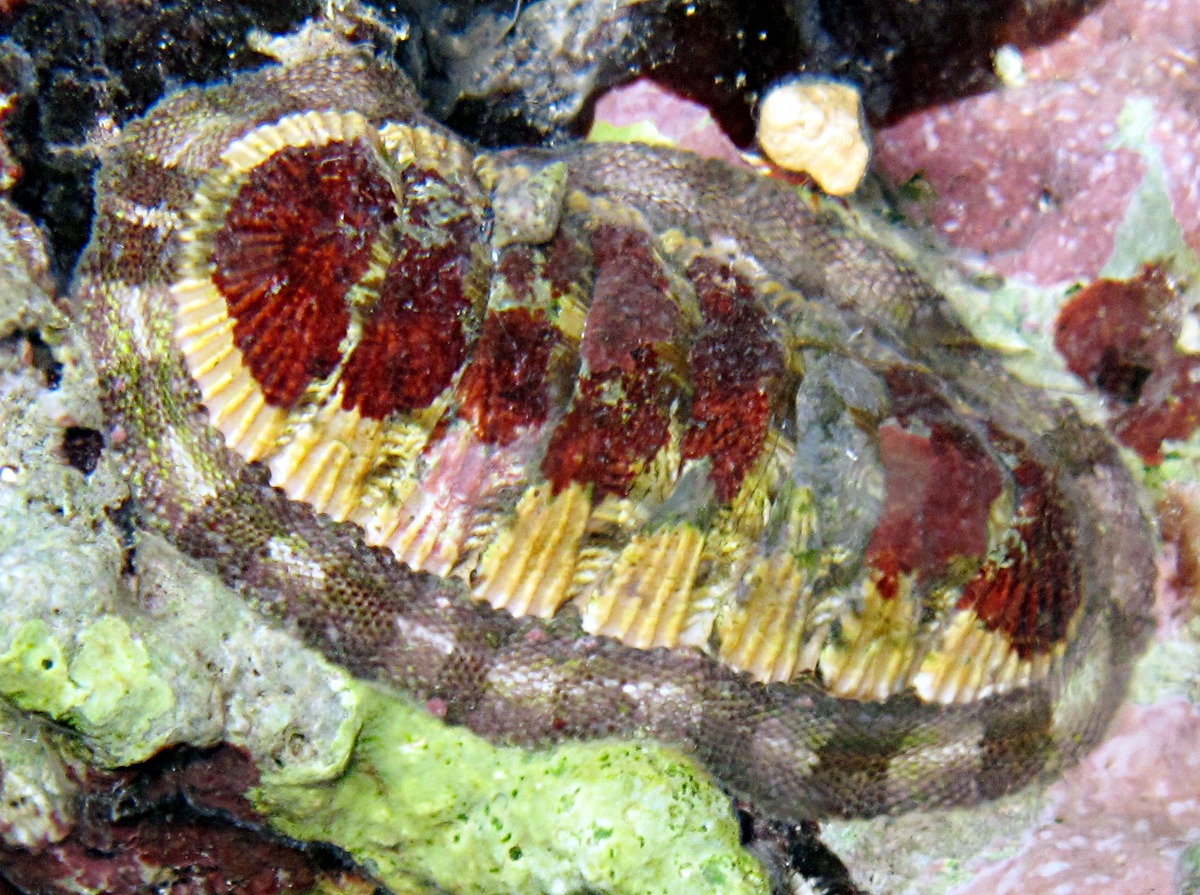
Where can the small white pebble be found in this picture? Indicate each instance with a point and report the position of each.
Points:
(1009, 66)
(1189, 335)
(8, 475)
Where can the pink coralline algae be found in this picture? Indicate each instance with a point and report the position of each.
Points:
(1121, 835)
(685, 124)
(1036, 177)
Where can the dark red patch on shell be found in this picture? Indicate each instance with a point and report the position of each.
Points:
(297, 236)
(1120, 337)
(568, 263)
(631, 301)
(734, 364)
(617, 421)
(506, 386)
(519, 269)
(1033, 592)
(939, 491)
(413, 339)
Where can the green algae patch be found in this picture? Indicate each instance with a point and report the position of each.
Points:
(113, 669)
(430, 808)
(105, 688)
(1149, 231)
(33, 672)
(637, 132)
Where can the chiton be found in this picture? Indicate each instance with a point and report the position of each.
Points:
(722, 443)
(622, 438)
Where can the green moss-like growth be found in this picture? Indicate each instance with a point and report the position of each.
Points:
(430, 807)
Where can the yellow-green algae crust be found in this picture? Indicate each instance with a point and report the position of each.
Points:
(107, 687)
(436, 808)
(127, 666)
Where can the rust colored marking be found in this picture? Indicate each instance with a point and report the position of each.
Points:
(618, 421)
(631, 302)
(1032, 593)
(297, 236)
(413, 338)
(136, 251)
(1120, 337)
(938, 495)
(734, 363)
(505, 388)
(729, 424)
(568, 263)
(518, 268)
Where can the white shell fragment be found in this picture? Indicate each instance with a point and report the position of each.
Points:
(815, 126)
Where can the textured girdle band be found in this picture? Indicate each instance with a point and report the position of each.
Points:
(604, 441)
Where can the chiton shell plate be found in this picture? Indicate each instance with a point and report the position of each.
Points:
(502, 378)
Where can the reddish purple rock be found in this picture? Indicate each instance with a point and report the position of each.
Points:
(1030, 176)
(178, 823)
(1120, 337)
